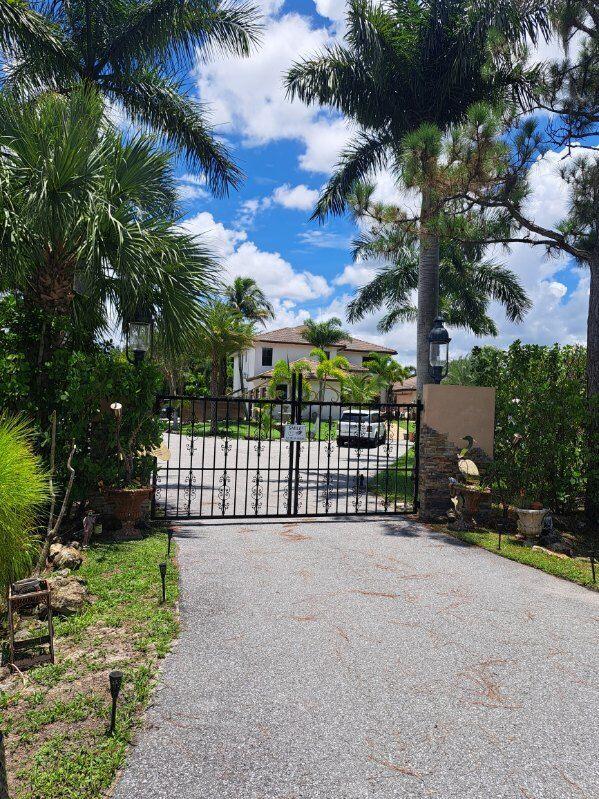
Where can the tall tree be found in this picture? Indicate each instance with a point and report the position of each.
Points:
(404, 66)
(324, 334)
(247, 297)
(136, 54)
(223, 332)
(467, 281)
(89, 220)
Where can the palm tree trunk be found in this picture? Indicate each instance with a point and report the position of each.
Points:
(428, 290)
(592, 491)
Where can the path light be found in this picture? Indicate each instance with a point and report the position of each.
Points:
(438, 340)
(170, 538)
(117, 409)
(162, 567)
(116, 680)
(139, 335)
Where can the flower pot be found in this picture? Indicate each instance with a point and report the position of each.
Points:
(467, 505)
(530, 523)
(127, 506)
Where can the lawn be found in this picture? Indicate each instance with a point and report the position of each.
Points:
(55, 723)
(574, 569)
(251, 430)
(396, 482)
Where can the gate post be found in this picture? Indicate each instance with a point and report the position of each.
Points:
(450, 413)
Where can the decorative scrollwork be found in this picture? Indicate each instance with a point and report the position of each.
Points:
(327, 494)
(190, 490)
(191, 446)
(224, 491)
(257, 492)
(359, 489)
(227, 446)
(329, 449)
(259, 447)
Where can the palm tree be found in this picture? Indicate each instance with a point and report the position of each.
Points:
(467, 282)
(358, 389)
(407, 65)
(90, 222)
(282, 372)
(247, 297)
(328, 369)
(324, 334)
(222, 333)
(385, 372)
(133, 52)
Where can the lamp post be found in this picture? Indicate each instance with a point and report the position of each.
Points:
(162, 568)
(438, 340)
(139, 335)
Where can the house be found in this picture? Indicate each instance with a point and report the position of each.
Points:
(288, 344)
(404, 391)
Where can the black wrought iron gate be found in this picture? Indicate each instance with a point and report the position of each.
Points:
(238, 457)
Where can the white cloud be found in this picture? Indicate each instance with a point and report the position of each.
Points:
(357, 274)
(335, 10)
(299, 198)
(324, 239)
(276, 276)
(249, 99)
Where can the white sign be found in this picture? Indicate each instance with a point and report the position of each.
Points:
(295, 432)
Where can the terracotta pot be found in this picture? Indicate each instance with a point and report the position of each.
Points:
(126, 504)
(411, 436)
(530, 523)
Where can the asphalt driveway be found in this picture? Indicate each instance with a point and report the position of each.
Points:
(341, 660)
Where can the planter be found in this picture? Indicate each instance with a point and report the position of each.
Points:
(467, 505)
(127, 505)
(530, 523)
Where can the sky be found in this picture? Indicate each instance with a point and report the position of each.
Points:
(288, 150)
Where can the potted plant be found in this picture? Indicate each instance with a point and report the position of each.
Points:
(508, 473)
(127, 489)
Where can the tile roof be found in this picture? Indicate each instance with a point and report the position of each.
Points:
(313, 364)
(293, 335)
(409, 384)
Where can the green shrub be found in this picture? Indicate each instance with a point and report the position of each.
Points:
(23, 491)
(540, 396)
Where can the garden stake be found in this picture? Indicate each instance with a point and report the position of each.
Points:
(116, 679)
(170, 538)
(3, 778)
(593, 568)
(162, 567)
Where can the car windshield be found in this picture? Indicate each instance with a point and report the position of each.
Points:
(355, 417)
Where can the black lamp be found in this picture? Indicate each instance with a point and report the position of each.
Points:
(139, 334)
(162, 567)
(438, 340)
(116, 680)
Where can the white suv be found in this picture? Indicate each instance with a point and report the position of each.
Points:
(361, 427)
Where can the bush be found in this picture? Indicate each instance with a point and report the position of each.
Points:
(23, 491)
(540, 396)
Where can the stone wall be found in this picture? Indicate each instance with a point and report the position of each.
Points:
(449, 414)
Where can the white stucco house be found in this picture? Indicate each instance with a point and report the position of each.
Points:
(288, 344)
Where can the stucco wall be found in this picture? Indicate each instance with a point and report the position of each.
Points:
(458, 411)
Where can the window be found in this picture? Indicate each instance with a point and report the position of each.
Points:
(282, 391)
(364, 359)
(266, 356)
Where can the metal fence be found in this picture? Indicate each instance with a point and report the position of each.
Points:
(240, 457)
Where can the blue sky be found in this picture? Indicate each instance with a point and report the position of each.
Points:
(287, 152)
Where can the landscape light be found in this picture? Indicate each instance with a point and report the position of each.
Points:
(162, 567)
(116, 680)
(139, 335)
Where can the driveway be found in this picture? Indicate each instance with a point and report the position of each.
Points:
(351, 659)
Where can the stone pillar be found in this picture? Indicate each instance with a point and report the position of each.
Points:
(449, 414)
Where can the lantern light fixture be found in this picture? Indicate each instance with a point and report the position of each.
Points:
(438, 340)
(139, 335)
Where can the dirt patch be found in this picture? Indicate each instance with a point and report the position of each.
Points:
(289, 535)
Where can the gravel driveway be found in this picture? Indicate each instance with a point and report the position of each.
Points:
(350, 659)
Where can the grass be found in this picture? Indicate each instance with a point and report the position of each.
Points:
(251, 430)
(55, 723)
(395, 482)
(573, 569)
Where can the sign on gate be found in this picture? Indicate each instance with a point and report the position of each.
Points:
(295, 432)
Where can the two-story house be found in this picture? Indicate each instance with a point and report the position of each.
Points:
(288, 344)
